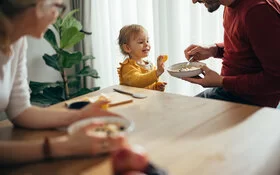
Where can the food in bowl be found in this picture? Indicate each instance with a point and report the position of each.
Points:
(104, 129)
(102, 126)
(187, 68)
(183, 69)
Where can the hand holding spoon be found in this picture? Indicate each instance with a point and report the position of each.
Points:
(188, 63)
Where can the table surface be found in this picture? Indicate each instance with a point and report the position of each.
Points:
(183, 135)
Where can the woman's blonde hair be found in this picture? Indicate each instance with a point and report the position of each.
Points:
(127, 32)
(8, 10)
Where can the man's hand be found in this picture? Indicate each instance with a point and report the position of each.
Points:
(211, 78)
(200, 53)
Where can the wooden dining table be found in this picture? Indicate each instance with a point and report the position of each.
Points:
(181, 134)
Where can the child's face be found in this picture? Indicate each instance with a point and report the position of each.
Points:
(139, 46)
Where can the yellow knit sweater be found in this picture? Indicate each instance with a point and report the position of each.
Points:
(131, 74)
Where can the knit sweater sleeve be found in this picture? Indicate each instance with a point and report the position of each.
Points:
(220, 50)
(134, 77)
(152, 86)
(263, 29)
(19, 98)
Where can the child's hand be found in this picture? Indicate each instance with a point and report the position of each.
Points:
(160, 86)
(160, 65)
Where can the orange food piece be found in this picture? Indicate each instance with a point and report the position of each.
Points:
(105, 107)
(103, 97)
(165, 58)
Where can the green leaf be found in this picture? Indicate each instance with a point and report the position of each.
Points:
(50, 37)
(48, 96)
(70, 37)
(52, 61)
(88, 57)
(40, 99)
(71, 77)
(70, 21)
(82, 91)
(73, 83)
(57, 24)
(70, 33)
(70, 14)
(38, 87)
(56, 94)
(70, 59)
(88, 71)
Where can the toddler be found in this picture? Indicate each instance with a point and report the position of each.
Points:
(135, 71)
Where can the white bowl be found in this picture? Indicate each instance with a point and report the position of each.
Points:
(127, 124)
(174, 70)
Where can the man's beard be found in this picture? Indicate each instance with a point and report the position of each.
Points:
(212, 6)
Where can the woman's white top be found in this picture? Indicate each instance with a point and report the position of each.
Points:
(14, 88)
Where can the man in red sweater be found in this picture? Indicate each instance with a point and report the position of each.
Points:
(250, 53)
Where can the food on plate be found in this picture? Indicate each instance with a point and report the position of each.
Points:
(132, 158)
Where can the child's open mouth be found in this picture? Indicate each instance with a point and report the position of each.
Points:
(146, 51)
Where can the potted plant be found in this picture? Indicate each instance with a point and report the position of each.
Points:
(69, 33)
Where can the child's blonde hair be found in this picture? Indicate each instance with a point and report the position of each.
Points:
(127, 32)
(8, 10)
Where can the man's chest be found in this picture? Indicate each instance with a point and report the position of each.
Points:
(235, 35)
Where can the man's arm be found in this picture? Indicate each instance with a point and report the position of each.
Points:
(220, 50)
(263, 29)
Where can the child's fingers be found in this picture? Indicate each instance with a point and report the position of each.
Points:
(160, 57)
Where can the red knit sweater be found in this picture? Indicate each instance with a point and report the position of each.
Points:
(251, 54)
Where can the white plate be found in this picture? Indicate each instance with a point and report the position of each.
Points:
(174, 69)
(76, 126)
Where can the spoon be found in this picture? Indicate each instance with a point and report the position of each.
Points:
(188, 63)
(135, 95)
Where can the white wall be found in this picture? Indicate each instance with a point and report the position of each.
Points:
(37, 69)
